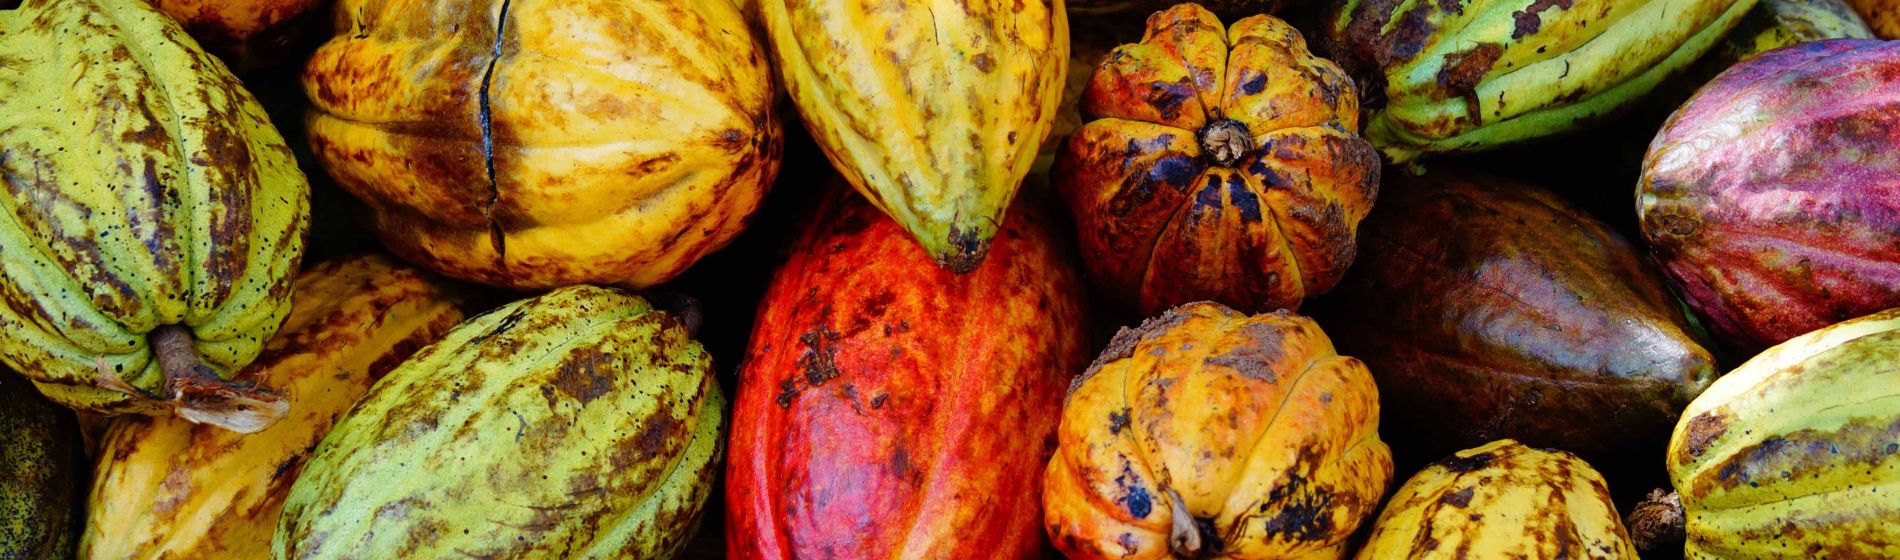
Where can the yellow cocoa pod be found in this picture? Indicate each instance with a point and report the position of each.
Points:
(166, 488)
(1501, 500)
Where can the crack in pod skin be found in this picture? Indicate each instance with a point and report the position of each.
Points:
(1501, 500)
(891, 409)
(1796, 454)
(533, 144)
(932, 109)
(1489, 309)
(1461, 76)
(166, 488)
(581, 423)
(145, 195)
(1206, 433)
(1764, 245)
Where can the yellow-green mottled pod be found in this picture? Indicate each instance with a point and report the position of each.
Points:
(934, 109)
(1501, 500)
(150, 216)
(41, 472)
(582, 423)
(1448, 76)
(1796, 454)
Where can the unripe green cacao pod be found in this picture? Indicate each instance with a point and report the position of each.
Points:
(1466, 75)
(41, 470)
(578, 424)
(150, 215)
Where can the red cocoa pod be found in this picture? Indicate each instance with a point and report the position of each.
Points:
(1772, 198)
(889, 408)
(1489, 309)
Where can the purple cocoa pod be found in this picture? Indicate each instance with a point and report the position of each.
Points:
(1772, 198)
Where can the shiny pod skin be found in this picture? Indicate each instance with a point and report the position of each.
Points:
(891, 409)
(1489, 308)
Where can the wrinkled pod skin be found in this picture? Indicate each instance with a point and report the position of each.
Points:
(534, 144)
(1501, 500)
(166, 488)
(1491, 309)
(581, 423)
(246, 34)
(1217, 165)
(933, 109)
(42, 474)
(1772, 198)
(891, 409)
(1207, 433)
(152, 218)
(1793, 454)
(1467, 75)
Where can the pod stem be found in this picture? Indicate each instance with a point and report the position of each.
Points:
(1658, 521)
(1184, 538)
(199, 395)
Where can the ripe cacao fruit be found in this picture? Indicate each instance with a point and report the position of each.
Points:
(1205, 433)
(1796, 454)
(1774, 24)
(1468, 75)
(1491, 309)
(578, 424)
(891, 409)
(933, 109)
(540, 143)
(1882, 15)
(247, 34)
(152, 218)
(1772, 199)
(166, 488)
(1140, 7)
(1199, 177)
(1501, 500)
(41, 474)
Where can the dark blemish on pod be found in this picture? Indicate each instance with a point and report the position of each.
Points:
(1460, 498)
(1117, 421)
(1460, 464)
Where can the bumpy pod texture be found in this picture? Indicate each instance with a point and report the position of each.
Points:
(246, 33)
(145, 195)
(578, 424)
(540, 143)
(933, 109)
(1206, 433)
(889, 409)
(1501, 500)
(1218, 164)
(172, 489)
(1468, 75)
(42, 474)
(1137, 8)
(1493, 309)
(1796, 454)
(1772, 198)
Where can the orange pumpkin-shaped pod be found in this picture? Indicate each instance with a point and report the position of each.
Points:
(1206, 433)
(1213, 166)
(533, 144)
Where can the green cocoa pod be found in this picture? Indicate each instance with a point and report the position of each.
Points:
(151, 218)
(41, 469)
(1453, 76)
(582, 423)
